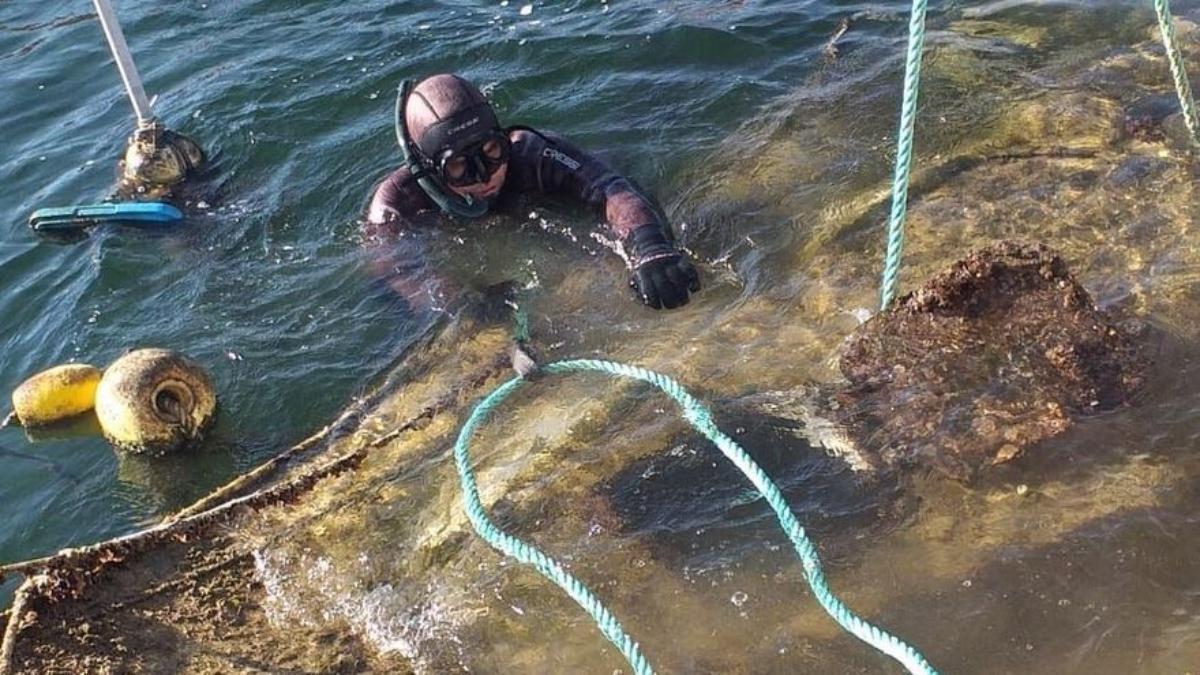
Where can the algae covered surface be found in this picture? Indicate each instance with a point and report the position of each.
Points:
(998, 353)
(1078, 556)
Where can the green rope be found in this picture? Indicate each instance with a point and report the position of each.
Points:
(520, 323)
(1183, 88)
(904, 146)
(908, 114)
(701, 418)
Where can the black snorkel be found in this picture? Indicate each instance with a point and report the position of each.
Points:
(427, 178)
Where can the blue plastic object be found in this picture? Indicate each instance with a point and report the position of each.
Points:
(77, 217)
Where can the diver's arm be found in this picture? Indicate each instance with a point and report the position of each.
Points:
(397, 263)
(661, 274)
(395, 253)
(553, 165)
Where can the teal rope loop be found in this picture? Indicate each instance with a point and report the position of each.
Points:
(520, 324)
(701, 418)
(1183, 88)
(904, 148)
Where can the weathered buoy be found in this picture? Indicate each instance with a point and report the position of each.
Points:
(154, 401)
(56, 394)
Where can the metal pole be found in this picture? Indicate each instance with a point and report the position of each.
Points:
(120, 50)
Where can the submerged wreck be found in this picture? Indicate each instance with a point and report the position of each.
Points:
(351, 553)
(298, 567)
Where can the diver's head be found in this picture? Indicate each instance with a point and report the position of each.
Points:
(156, 160)
(456, 136)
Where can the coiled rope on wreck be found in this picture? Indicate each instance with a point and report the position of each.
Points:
(908, 116)
(701, 418)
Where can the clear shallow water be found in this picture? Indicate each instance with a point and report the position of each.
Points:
(754, 143)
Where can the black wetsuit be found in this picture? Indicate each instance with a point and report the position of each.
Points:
(538, 164)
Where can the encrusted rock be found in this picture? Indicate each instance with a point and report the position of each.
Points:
(1001, 351)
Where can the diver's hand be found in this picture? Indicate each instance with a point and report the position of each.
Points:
(662, 275)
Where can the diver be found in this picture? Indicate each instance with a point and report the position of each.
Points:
(460, 161)
(154, 169)
(156, 163)
(159, 173)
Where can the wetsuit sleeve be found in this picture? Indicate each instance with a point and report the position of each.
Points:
(547, 163)
(396, 199)
(394, 248)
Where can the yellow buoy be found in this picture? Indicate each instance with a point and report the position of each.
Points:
(56, 394)
(154, 400)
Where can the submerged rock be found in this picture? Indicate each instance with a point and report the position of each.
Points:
(1145, 118)
(1000, 351)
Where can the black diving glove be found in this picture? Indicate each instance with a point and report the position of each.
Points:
(662, 276)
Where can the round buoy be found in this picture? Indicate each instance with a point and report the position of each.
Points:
(154, 400)
(56, 394)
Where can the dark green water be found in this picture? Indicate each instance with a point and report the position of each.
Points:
(293, 99)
